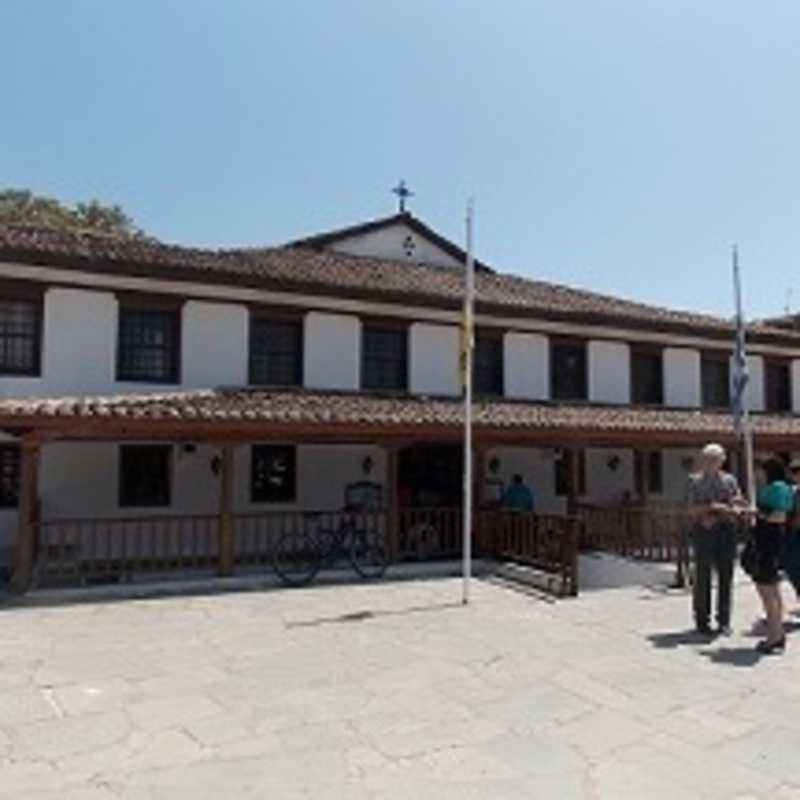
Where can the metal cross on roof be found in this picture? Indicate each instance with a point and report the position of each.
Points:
(403, 193)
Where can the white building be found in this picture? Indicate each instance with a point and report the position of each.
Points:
(109, 350)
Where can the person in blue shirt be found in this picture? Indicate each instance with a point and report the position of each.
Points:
(518, 496)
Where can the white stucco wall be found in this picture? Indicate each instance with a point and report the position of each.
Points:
(676, 476)
(80, 479)
(323, 472)
(78, 346)
(78, 358)
(527, 366)
(332, 351)
(795, 373)
(537, 468)
(433, 358)
(390, 242)
(609, 372)
(682, 387)
(215, 345)
(605, 486)
(80, 339)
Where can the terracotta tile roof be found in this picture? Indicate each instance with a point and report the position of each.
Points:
(297, 269)
(332, 410)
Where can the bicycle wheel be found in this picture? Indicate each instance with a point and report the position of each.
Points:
(368, 553)
(296, 558)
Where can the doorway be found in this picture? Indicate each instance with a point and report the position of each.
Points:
(430, 476)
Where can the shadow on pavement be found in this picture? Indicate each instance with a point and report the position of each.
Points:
(366, 614)
(733, 656)
(679, 638)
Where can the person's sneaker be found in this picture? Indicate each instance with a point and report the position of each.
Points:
(704, 630)
(725, 630)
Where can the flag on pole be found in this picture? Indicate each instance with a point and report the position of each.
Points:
(465, 368)
(467, 344)
(741, 377)
(741, 373)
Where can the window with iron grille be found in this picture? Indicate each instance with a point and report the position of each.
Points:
(148, 347)
(145, 475)
(20, 336)
(384, 357)
(647, 377)
(716, 376)
(564, 473)
(487, 365)
(655, 472)
(273, 473)
(778, 386)
(568, 370)
(276, 352)
(9, 475)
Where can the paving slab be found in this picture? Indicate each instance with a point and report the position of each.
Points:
(395, 690)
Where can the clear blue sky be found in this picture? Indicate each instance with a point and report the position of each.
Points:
(620, 146)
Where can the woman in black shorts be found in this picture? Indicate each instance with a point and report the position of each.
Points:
(775, 502)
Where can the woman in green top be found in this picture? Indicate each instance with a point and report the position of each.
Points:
(775, 503)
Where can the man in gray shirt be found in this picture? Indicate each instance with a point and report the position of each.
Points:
(714, 501)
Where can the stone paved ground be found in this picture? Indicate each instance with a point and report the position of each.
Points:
(394, 691)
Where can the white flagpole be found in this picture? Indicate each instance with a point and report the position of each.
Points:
(466, 376)
(747, 430)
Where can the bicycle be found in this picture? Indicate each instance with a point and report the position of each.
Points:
(300, 555)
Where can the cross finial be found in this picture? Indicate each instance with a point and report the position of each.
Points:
(403, 193)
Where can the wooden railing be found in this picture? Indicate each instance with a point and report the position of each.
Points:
(96, 550)
(547, 542)
(649, 534)
(101, 549)
(257, 534)
(86, 550)
(428, 533)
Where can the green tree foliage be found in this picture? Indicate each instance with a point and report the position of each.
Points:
(21, 207)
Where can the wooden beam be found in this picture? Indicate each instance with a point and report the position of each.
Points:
(392, 500)
(226, 521)
(574, 480)
(645, 459)
(27, 514)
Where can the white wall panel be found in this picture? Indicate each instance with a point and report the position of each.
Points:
(433, 357)
(332, 351)
(609, 372)
(527, 366)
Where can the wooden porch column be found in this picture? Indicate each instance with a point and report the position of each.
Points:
(574, 480)
(479, 499)
(226, 525)
(644, 457)
(480, 477)
(27, 513)
(392, 501)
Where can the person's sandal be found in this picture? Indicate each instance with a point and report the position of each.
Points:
(767, 648)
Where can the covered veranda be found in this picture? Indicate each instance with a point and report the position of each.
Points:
(57, 550)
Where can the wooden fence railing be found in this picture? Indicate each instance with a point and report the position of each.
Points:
(85, 550)
(257, 534)
(428, 533)
(89, 549)
(649, 534)
(547, 542)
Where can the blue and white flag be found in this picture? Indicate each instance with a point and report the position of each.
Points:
(741, 374)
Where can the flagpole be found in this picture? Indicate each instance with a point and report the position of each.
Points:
(467, 343)
(746, 427)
